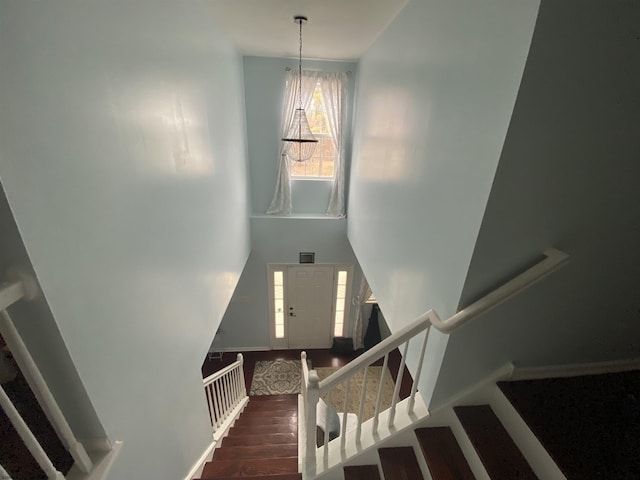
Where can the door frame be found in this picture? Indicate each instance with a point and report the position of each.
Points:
(283, 343)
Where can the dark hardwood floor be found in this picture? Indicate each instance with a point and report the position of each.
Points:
(318, 357)
(263, 441)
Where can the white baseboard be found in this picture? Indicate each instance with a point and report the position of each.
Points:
(469, 394)
(102, 463)
(196, 470)
(575, 370)
(207, 455)
(246, 349)
(97, 444)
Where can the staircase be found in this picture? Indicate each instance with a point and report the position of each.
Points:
(443, 455)
(478, 441)
(262, 444)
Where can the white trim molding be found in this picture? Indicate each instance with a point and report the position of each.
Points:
(575, 369)
(196, 469)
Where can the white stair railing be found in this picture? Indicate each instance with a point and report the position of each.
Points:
(317, 459)
(28, 438)
(9, 294)
(3, 474)
(225, 390)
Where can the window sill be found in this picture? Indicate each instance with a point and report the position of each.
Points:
(312, 179)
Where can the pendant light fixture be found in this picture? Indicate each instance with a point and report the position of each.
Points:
(300, 141)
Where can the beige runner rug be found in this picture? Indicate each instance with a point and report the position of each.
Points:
(336, 397)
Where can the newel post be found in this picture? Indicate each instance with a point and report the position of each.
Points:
(312, 395)
(243, 385)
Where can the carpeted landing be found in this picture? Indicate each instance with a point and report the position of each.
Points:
(590, 425)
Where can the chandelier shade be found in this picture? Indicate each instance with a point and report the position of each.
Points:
(300, 144)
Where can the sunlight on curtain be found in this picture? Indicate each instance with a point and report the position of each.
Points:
(281, 202)
(334, 90)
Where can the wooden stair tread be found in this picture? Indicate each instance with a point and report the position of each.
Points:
(267, 412)
(250, 467)
(244, 421)
(399, 463)
(284, 476)
(270, 439)
(290, 399)
(499, 454)
(256, 451)
(262, 429)
(361, 472)
(443, 454)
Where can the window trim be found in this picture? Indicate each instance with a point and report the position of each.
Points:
(335, 154)
(346, 320)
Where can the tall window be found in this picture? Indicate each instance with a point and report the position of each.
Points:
(278, 302)
(322, 164)
(341, 295)
(324, 95)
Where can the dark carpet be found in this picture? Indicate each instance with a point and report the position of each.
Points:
(590, 425)
(14, 455)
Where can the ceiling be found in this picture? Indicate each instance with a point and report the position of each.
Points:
(337, 29)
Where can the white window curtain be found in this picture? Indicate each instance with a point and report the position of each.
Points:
(363, 295)
(334, 91)
(281, 202)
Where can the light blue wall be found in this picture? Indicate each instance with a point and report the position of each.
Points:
(264, 80)
(568, 177)
(38, 329)
(279, 240)
(434, 97)
(138, 247)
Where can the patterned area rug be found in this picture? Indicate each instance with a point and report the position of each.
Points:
(336, 397)
(276, 377)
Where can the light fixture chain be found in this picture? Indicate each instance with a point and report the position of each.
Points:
(300, 67)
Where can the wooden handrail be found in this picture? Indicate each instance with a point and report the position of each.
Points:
(223, 371)
(554, 259)
(312, 389)
(376, 352)
(225, 390)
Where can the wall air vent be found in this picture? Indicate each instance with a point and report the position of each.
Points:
(307, 257)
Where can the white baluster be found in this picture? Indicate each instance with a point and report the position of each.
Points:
(3, 474)
(235, 391)
(396, 390)
(325, 445)
(212, 414)
(414, 387)
(379, 398)
(28, 438)
(43, 394)
(216, 399)
(242, 381)
(225, 395)
(343, 431)
(313, 394)
(363, 397)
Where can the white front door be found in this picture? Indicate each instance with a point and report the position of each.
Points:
(310, 291)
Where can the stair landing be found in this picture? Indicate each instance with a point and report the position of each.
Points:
(590, 425)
